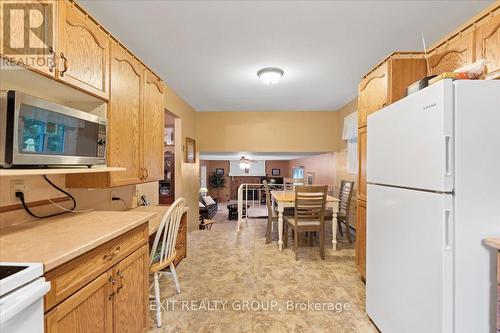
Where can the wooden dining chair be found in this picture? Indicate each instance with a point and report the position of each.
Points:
(345, 195)
(310, 202)
(271, 215)
(163, 251)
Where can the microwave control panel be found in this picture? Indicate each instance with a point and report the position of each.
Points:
(101, 141)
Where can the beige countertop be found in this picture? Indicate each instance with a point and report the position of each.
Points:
(57, 240)
(154, 222)
(493, 242)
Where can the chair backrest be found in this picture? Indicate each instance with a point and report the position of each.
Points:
(310, 202)
(268, 199)
(166, 236)
(345, 195)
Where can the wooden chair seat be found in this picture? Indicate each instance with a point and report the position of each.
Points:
(208, 222)
(303, 223)
(205, 224)
(160, 265)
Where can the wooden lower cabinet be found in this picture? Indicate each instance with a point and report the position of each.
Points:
(181, 243)
(114, 301)
(130, 306)
(361, 239)
(90, 310)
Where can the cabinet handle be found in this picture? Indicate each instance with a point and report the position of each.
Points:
(113, 281)
(120, 274)
(65, 65)
(111, 295)
(52, 63)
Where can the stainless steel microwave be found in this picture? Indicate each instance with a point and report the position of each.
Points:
(36, 132)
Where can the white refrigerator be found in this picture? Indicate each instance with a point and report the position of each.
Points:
(433, 195)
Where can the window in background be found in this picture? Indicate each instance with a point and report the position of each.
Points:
(350, 134)
(298, 175)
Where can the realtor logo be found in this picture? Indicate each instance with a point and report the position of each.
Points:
(27, 28)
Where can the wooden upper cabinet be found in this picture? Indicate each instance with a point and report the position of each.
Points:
(124, 117)
(153, 125)
(372, 93)
(83, 51)
(452, 54)
(488, 43)
(131, 297)
(20, 44)
(88, 310)
(387, 82)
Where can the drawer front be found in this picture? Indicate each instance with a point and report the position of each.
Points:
(70, 277)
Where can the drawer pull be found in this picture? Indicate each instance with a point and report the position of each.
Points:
(110, 256)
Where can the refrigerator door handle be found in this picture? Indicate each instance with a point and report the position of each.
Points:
(447, 147)
(447, 230)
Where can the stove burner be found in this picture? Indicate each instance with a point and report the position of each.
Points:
(6, 271)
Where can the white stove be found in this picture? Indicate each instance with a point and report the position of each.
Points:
(22, 288)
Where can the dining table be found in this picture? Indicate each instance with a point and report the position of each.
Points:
(286, 199)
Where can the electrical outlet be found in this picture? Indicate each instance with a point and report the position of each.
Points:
(15, 186)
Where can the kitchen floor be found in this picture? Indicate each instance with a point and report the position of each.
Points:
(234, 282)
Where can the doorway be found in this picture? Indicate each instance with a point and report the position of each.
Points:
(167, 185)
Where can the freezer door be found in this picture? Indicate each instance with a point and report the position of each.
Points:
(409, 265)
(410, 142)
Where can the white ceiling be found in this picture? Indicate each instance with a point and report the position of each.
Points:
(209, 51)
(253, 156)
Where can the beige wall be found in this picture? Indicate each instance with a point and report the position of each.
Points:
(187, 177)
(267, 131)
(323, 167)
(341, 154)
(282, 165)
(98, 199)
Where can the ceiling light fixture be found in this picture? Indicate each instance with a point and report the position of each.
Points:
(270, 75)
(244, 163)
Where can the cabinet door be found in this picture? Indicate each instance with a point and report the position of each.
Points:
(452, 55)
(488, 44)
(153, 125)
(131, 298)
(24, 45)
(362, 163)
(88, 311)
(372, 93)
(124, 111)
(83, 50)
(181, 244)
(361, 239)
